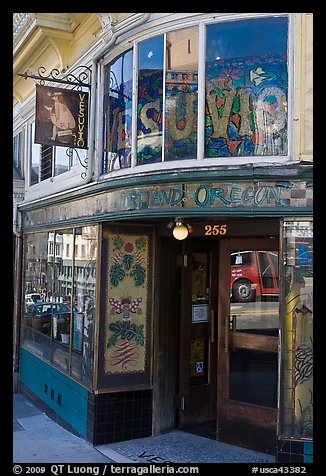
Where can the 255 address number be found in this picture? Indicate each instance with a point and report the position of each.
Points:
(215, 230)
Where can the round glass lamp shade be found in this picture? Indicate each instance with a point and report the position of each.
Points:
(180, 231)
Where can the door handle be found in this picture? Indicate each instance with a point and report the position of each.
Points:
(227, 328)
(212, 325)
(233, 322)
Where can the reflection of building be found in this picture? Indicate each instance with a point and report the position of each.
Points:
(203, 125)
(84, 265)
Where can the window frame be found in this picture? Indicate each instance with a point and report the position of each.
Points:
(19, 137)
(200, 161)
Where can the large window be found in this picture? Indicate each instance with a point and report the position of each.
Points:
(150, 101)
(246, 88)
(239, 69)
(48, 161)
(181, 86)
(296, 381)
(59, 307)
(117, 113)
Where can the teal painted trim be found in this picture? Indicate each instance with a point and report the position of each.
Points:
(177, 211)
(35, 374)
(308, 448)
(308, 459)
(293, 171)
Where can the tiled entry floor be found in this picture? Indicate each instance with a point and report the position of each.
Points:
(180, 447)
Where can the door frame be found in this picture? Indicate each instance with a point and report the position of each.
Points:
(234, 414)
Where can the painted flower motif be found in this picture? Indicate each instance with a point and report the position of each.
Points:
(142, 91)
(227, 76)
(129, 247)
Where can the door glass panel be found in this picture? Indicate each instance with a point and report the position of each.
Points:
(253, 310)
(253, 377)
(199, 317)
(199, 278)
(254, 292)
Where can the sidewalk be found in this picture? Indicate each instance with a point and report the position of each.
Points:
(38, 439)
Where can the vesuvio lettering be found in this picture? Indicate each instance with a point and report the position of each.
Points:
(205, 196)
(80, 140)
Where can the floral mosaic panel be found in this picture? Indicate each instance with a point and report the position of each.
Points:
(126, 331)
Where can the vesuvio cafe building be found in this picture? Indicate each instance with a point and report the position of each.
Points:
(186, 262)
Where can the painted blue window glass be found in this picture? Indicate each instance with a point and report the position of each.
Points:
(181, 94)
(150, 101)
(246, 88)
(118, 113)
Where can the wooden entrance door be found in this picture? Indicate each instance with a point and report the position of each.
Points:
(248, 342)
(198, 345)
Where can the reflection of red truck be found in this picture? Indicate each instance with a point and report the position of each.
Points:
(253, 274)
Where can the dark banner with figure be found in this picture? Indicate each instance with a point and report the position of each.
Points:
(61, 117)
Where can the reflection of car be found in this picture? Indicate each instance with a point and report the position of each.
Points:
(33, 298)
(254, 274)
(47, 310)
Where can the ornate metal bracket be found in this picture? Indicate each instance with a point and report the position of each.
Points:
(79, 77)
(84, 163)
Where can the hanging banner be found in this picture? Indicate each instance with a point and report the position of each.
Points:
(61, 117)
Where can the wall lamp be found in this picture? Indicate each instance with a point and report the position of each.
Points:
(180, 231)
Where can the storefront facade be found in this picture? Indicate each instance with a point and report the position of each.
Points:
(191, 127)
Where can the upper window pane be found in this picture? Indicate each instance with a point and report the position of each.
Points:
(246, 88)
(117, 113)
(150, 101)
(18, 152)
(181, 89)
(35, 152)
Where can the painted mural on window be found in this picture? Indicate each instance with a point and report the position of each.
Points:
(181, 91)
(118, 113)
(126, 333)
(246, 95)
(150, 101)
(296, 419)
(246, 88)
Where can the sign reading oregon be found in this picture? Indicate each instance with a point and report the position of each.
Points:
(244, 194)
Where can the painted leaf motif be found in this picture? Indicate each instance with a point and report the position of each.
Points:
(127, 331)
(116, 274)
(112, 341)
(118, 242)
(138, 273)
(128, 261)
(116, 327)
(140, 242)
(140, 336)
